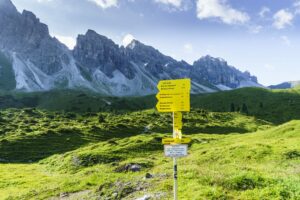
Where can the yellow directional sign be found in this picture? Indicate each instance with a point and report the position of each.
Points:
(173, 106)
(177, 121)
(176, 140)
(173, 102)
(179, 85)
(174, 95)
(171, 96)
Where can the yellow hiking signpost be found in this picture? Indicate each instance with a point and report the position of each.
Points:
(174, 96)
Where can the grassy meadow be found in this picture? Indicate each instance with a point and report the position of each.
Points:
(245, 145)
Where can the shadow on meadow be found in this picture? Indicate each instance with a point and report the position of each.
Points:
(30, 135)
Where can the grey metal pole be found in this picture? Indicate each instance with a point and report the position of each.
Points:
(175, 179)
(175, 164)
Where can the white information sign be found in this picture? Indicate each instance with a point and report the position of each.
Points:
(176, 151)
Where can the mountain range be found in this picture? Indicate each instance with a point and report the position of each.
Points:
(32, 60)
(285, 85)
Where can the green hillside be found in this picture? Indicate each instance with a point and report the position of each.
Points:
(79, 145)
(276, 106)
(84, 156)
(73, 101)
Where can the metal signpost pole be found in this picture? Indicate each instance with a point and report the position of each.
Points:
(174, 96)
(175, 162)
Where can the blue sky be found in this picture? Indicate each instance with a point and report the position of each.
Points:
(261, 36)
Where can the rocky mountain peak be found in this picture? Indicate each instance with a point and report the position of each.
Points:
(96, 52)
(40, 62)
(7, 5)
(208, 60)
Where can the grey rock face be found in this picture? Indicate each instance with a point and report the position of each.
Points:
(40, 62)
(217, 71)
(156, 63)
(94, 51)
(26, 35)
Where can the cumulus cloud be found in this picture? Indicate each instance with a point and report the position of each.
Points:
(105, 3)
(220, 9)
(127, 39)
(176, 3)
(264, 11)
(297, 7)
(282, 19)
(70, 42)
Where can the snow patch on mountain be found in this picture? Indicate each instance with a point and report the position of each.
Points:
(247, 83)
(223, 87)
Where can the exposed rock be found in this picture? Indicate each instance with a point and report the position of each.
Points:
(146, 197)
(148, 176)
(216, 71)
(63, 195)
(129, 167)
(94, 51)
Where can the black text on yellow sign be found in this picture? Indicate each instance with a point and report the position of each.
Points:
(174, 95)
(176, 140)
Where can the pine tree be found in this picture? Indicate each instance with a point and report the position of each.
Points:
(245, 109)
(232, 107)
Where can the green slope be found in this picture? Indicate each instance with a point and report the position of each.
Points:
(276, 106)
(45, 154)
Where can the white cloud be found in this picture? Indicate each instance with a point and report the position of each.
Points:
(286, 41)
(127, 39)
(176, 3)
(105, 3)
(282, 19)
(221, 10)
(297, 7)
(70, 42)
(264, 11)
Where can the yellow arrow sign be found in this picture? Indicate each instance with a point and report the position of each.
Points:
(168, 96)
(176, 140)
(174, 95)
(179, 85)
(173, 103)
(173, 106)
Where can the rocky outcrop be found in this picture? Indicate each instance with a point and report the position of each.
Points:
(30, 39)
(216, 71)
(94, 51)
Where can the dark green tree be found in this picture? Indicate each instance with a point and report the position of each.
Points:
(232, 107)
(245, 109)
